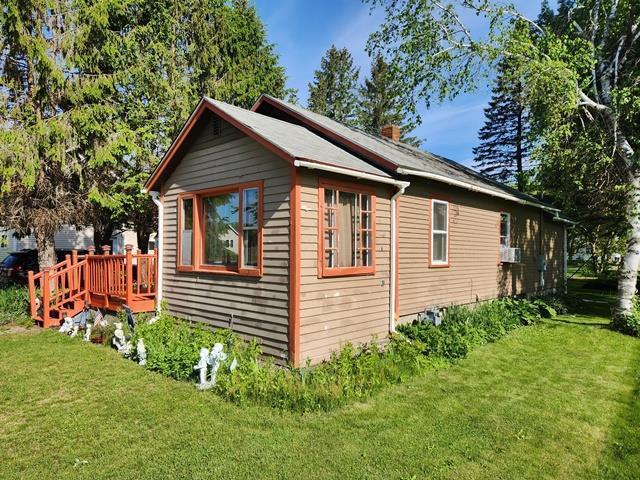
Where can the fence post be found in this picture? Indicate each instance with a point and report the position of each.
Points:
(32, 295)
(129, 274)
(69, 275)
(91, 250)
(105, 249)
(46, 296)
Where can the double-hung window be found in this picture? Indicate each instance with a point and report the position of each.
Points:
(439, 233)
(220, 230)
(505, 231)
(346, 243)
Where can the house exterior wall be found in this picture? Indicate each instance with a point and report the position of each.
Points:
(67, 238)
(337, 310)
(474, 272)
(259, 305)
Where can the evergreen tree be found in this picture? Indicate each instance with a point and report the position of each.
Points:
(334, 89)
(382, 103)
(504, 139)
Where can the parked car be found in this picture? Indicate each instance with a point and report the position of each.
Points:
(14, 267)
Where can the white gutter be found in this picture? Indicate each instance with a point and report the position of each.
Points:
(159, 245)
(474, 188)
(392, 260)
(564, 261)
(351, 173)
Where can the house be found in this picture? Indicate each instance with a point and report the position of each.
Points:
(67, 238)
(340, 234)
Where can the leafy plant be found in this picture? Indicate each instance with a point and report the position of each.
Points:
(629, 324)
(14, 306)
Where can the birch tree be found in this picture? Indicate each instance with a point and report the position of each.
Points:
(591, 70)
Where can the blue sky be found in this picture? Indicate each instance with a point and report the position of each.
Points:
(302, 30)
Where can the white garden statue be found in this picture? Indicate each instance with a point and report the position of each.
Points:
(120, 341)
(87, 332)
(74, 331)
(216, 357)
(202, 367)
(141, 350)
(67, 326)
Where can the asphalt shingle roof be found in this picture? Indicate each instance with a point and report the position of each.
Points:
(405, 156)
(297, 141)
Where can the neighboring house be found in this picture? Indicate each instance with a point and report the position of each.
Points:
(67, 238)
(340, 234)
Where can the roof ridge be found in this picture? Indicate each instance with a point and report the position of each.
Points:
(417, 153)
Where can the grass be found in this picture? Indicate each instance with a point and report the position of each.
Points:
(558, 400)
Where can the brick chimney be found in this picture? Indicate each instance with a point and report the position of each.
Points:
(392, 132)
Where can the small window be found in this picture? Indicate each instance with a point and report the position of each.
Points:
(346, 239)
(186, 232)
(439, 232)
(505, 230)
(250, 216)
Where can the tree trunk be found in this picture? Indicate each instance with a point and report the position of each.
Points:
(102, 235)
(628, 271)
(46, 250)
(142, 236)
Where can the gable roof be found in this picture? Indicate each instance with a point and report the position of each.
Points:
(291, 142)
(398, 157)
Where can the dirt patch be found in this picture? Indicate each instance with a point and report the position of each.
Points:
(14, 329)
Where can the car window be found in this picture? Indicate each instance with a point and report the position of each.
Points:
(9, 261)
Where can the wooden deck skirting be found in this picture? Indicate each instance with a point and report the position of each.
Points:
(101, 281)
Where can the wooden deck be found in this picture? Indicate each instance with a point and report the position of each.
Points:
(98, 281)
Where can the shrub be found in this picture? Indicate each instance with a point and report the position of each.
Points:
(629, 324)
(463, 328)
(14, 305)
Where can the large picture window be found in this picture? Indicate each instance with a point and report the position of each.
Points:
(439, 233)
(221, 230)
(346, 243)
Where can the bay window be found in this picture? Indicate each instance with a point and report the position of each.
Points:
(346, 243)
(439, 233)
(220, 230)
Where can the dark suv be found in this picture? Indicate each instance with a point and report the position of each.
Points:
(14, 267)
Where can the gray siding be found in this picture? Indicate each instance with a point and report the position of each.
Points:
(260, 306)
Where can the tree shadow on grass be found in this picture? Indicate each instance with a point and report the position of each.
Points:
(621, 458)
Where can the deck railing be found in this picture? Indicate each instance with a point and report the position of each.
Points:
(97, 280)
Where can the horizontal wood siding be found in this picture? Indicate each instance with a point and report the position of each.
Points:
(337, 310)
(260, 306)
(474, 273)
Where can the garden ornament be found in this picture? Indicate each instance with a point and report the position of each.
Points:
(67, 326)
(99, 320)
(216, 357)
(142, 352)
(202, 367)
(74, 330)
(87, 332)
(234, 365)
(120, 341)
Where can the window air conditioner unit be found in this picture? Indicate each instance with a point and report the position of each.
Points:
(510, 255)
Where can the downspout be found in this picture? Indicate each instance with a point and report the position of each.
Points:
(393, 252)
(564, 261)
(159, 246)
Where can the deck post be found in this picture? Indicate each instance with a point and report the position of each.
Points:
(91, 250)
(69, 279)
(32, 295)
(105, 249)
(75, 272)
(46, 296)
(129, 275)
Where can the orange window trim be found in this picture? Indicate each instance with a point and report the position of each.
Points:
(199, 228)
(447, 199)
(323, 270)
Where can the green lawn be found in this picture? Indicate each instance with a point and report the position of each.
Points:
(558, 400)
